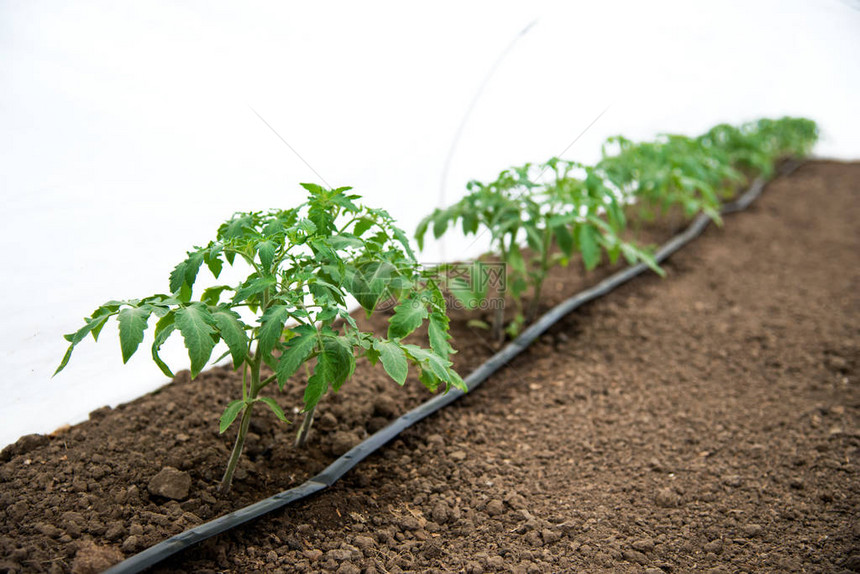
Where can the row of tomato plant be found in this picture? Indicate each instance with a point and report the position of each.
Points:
(540, 216)
(291, 310)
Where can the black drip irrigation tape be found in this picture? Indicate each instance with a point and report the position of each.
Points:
(377, 440)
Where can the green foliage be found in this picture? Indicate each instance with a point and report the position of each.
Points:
(572, 212)
(580, 210)
(303, 263)
(698, 173)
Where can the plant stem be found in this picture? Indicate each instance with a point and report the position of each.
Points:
(534, 304)
(305, 429)
(227, 480)
(498, 332)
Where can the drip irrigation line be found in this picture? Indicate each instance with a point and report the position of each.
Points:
(377, 440)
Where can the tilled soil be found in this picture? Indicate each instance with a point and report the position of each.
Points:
(703, 422)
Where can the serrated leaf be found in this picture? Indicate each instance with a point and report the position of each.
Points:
(564, 239)
(272, 327)
(393, 360)
(533, 237)
(104, 312)
(316, 387)
(361, 226)
(195, 324)
(313, 188)
(161, 335)
(266, 251)
(515, 259)
(338, 352)
(212, 295)
(421, 231)
(279, 412)
(408, 316)
(232, 331)
(345, 241)
(296, 352)
(254, 287)
(404, 241)
(212, 258)
(429, 360)
(372, 355)
(588, 246)
(440, 223)
(132, 323)
(229, 415)
(438, 334)
(91, 325)
(177, 277)
(185, 274)
(369, 283)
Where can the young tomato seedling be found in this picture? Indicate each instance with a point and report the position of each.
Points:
(553, 219)
(303, 263)
(499, 207)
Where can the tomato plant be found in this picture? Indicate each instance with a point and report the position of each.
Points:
(303, 263)
(499, 207)
(673, 170)
(757, 146)
(580, 209)
(553, 219)
(698, 173)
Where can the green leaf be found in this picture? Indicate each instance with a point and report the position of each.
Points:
(132, 323)
(313, 188)
(469, 223)
(74, 338)
(184, 274)
(372, 355)
(515, 259)
(266, 251)
(345, 241)
(317, 386)
(421, 231)
(232, 331)
(230, 413)
(435, 365)
(297, 350)
(440, 223)
(272, 327)
(564, 239)
(393, 360)
(212, 295)
(162, 332)
(533, 237)
(338, 352)
(275, 407)
(195, 323)
(404, 241)
(587, 236)
(361, 226)
(370, 282)
(254, 287)
(438, 335)
(213, 260)
(104, 312)
(408, 316)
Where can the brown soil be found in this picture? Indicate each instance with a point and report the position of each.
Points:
(704, 422)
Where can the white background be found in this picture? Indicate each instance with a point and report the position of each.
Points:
(127, 132)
